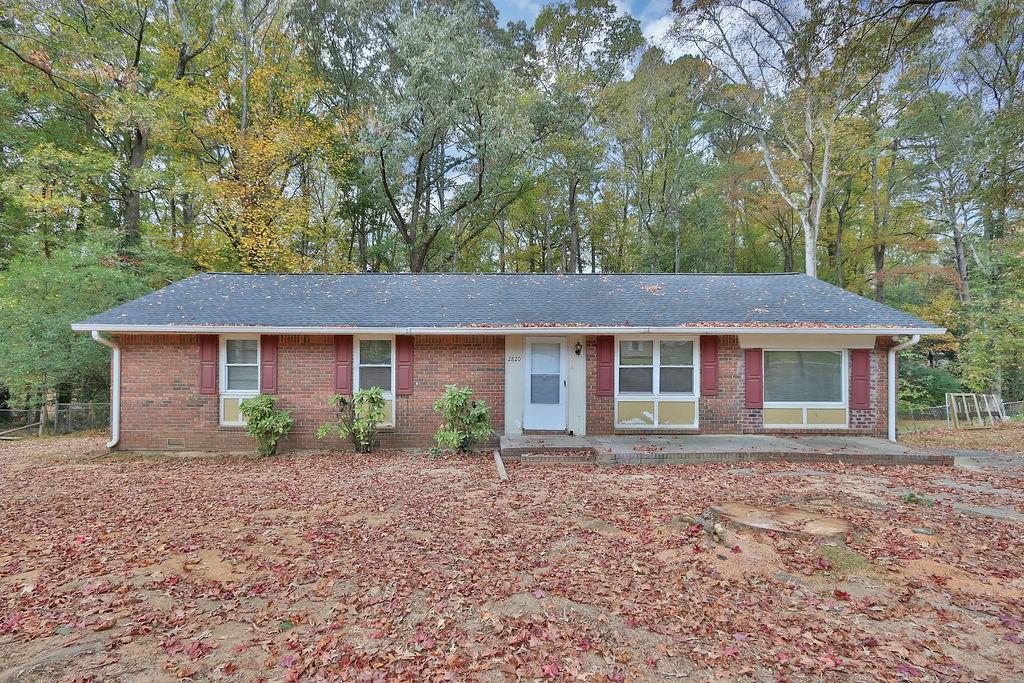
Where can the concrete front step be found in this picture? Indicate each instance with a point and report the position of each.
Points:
(557, 459)
(657, 450)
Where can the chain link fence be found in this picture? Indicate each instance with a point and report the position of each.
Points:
(61, 418)
(922, 419)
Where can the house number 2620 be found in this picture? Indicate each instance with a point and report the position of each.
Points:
(515, 359)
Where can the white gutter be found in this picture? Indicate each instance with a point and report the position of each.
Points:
(115, 387)
(892, 382)
(525, 329)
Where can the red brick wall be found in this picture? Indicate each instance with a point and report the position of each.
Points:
(161, 407)
(600, 409)
(475, 361)
(726, 413)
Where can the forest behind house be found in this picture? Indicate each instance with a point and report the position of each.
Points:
(878, 145)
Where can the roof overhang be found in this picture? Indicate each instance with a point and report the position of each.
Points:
(485, 330)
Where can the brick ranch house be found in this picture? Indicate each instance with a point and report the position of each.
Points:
(579, 354)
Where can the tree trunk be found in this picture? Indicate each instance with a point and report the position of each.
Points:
(133, 197)
(575, 263)
(960, 259)
(246, 48)
(676, 248)
(810, 246)
(878, 253)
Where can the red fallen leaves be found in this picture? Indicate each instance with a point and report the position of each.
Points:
(193, 650)
(387, 567)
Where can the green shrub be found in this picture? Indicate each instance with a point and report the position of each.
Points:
(922, 386)
(464, 422)
(358, 418)
(265, 422)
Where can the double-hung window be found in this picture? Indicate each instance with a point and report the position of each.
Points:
(239, 375)
(656, 382)
(805, 388)
(375, 367)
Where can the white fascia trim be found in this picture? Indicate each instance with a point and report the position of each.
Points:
(533, 331)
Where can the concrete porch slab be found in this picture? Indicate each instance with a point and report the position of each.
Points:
(643, 450)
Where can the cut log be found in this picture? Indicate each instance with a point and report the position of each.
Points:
(502, 474)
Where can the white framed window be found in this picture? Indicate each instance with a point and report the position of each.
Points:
(806, 388)
(374, 361)
(239, 375)
(656, 381)
(805, 378)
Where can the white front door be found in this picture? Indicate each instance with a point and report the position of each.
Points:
(545, 389)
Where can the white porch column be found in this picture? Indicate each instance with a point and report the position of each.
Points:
(576, 415)
(514, 384)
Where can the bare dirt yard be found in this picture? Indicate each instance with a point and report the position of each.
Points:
(391, 567)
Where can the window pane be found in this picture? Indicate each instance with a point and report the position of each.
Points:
(676, 353)
(545, 358)
(375, 377)
(803, 376)
(636, 353)
(636, 379)
(544, 389)
(243, 378)
(241, 351)
(676, 380)
(375, 352)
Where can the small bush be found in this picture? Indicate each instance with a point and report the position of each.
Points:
(464, 422)
(915, 499)
(265, 422)
(358, 418)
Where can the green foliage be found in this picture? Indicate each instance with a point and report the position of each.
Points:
(265, 422)
(358, 418)
(915, 499)
(922, 386)
(464, 422)
(41, 296)
(257, 142)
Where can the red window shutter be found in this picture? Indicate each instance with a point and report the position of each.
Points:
(268, 364)
(343, 364)
(860, 379)
(208, 364)
(605, 365)
(753, 375)
(709, 366)
(403, 365)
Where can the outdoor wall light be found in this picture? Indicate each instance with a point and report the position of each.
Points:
(579, 348)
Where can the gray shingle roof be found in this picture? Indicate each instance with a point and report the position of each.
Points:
(375, 300)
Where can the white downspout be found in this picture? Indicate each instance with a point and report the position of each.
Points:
(892, 382)
(115, 387)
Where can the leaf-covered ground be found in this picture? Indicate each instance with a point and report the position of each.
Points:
(1006, 438)
(391, 567)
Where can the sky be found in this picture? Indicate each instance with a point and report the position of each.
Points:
(652, 14)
